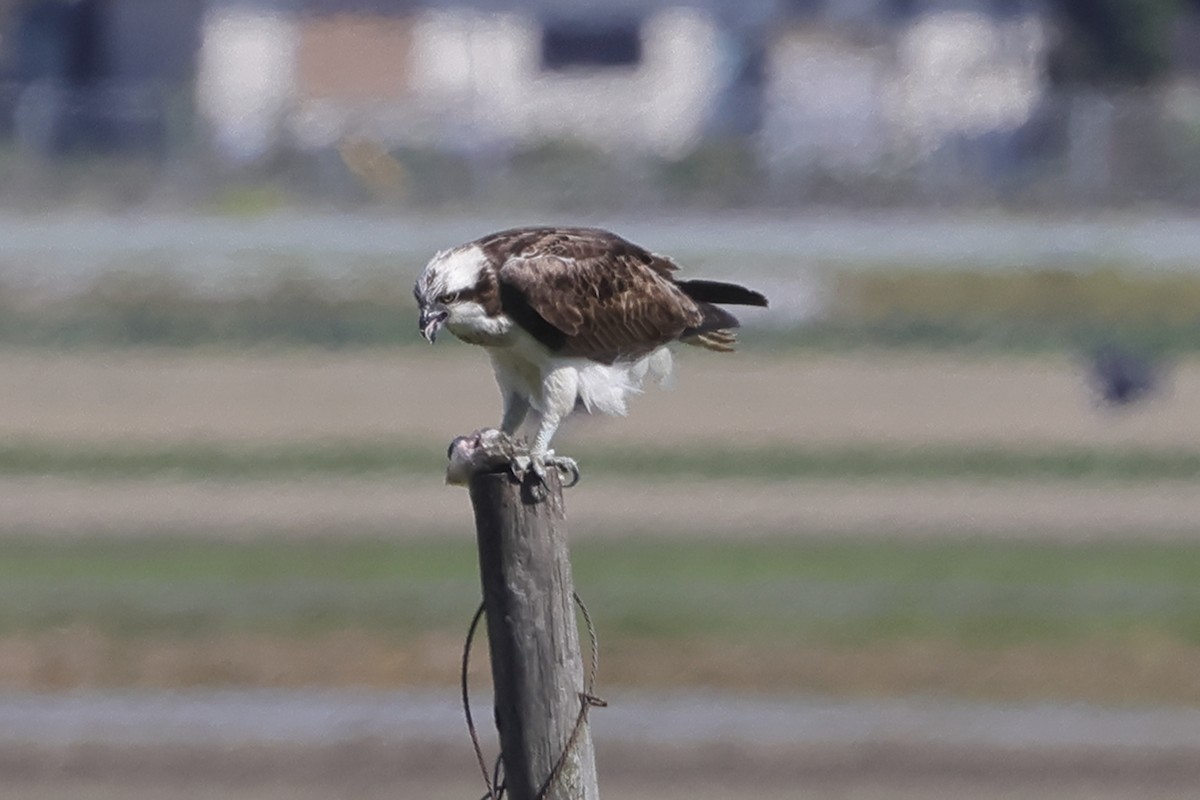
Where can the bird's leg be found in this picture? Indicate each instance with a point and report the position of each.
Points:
(559, 390)
(516, 407)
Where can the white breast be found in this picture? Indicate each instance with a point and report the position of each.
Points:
(523, 363)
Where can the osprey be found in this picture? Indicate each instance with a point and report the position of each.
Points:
(570, 315)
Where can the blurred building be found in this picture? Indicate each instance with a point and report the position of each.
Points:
(823, 82)
(652, 76)
(949, 94)
(892, 83)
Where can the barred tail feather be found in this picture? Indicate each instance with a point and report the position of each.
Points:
(721, 340)
(715, 330)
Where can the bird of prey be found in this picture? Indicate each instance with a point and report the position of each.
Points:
(570, 315)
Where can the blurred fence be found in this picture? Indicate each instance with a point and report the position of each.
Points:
(133, 143)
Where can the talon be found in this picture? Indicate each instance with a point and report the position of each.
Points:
(568, 467)
(521, 465)
(574, 477)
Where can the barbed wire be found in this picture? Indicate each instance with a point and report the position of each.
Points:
(496, 787)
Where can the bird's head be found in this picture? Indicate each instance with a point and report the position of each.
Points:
(447, 290)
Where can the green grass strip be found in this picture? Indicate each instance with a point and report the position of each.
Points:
(203, 461)
(939, 462)
(860, 591)
(769, 463)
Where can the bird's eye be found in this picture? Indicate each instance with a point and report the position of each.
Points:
(447, 298)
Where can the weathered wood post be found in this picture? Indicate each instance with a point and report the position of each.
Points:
(528, 597)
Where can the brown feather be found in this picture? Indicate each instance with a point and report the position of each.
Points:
(609, 298)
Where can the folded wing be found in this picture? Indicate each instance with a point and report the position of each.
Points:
(591, 294)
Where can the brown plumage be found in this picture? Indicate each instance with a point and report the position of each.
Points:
(589, 293)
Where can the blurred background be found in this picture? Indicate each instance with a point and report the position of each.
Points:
(932, 532)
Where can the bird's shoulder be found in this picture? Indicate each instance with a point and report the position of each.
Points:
(547, 250)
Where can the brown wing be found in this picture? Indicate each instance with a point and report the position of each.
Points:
(589, 293)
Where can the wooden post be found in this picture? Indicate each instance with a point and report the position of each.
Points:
(528, 597)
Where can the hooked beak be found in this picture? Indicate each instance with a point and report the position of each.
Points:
(431, 322)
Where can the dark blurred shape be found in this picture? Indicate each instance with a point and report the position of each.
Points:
(98, 74)
(1112, 42)
(1121, 376)
(58, 40)
(569, 43)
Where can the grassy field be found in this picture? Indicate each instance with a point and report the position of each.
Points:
(1048, 307)
(818, 590)
(290, 299)
(117, 461)
(857, 524)
(1111, 622)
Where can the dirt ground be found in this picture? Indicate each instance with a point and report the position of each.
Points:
(428, 395)
(433, 394)
(79, 659)
(372, 770)
(414, 507)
